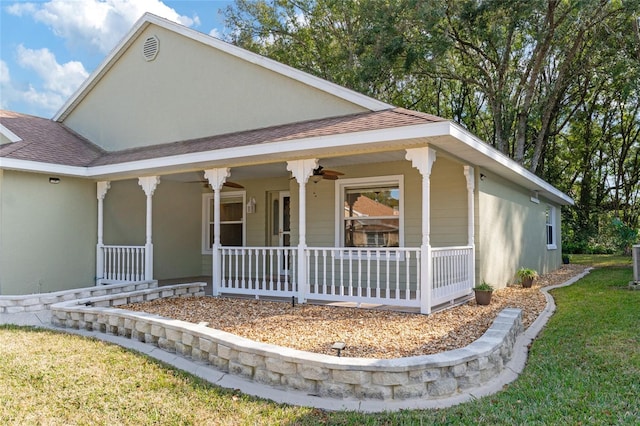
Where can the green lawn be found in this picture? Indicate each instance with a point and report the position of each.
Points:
(584, 369)
(601, 260)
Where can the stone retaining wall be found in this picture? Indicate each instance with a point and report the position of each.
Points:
(424, 377)
(42, 301)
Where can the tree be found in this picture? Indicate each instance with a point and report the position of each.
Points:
(552, 83)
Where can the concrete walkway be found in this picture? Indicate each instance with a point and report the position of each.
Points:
(511, 371)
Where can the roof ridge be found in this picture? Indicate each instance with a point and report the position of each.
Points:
(418, 114)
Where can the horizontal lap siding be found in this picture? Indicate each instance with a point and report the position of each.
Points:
(512, 232)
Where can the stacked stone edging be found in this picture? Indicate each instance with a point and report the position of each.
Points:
(43, 301)
(419, 377)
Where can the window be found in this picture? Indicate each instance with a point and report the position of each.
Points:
(550, 215)
(232, 220)
(370, 212)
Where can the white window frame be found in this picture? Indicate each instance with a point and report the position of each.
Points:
(207, 205)
(341, 185)
(550, 213)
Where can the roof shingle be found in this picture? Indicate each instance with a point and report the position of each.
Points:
(46, 141)
(51, 142)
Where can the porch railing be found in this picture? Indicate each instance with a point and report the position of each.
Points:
(453, 274)
(387, 276)
(122, 263)
(259, 271)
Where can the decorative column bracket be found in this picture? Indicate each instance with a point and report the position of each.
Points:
(217, 177)
(149, 184)
(302, 169)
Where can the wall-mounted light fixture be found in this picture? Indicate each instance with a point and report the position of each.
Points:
(482, 176)
(54, 180)
(251, 205)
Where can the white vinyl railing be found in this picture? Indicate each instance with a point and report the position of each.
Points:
(387, 276)
(452, 274)
(259, 271)
(123, 263)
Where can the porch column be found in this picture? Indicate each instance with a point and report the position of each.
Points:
(469, 174)
(149, 184)
(423, 159)
(216, 178)
(101, 192)
(302, 170)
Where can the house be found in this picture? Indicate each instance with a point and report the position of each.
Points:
(183, 156)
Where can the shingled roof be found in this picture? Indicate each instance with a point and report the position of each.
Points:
(49, 141)
(46, 141)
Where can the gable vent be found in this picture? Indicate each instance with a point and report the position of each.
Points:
(150, 48)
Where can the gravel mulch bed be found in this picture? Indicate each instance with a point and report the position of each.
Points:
(368, 333)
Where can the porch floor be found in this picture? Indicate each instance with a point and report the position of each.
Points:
(209, 291)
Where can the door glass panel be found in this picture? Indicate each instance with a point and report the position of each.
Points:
(276, 216)
(286, 222)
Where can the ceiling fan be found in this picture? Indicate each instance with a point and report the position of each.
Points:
(322, 173)
(228, 184)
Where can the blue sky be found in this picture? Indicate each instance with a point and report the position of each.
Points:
(48, 48)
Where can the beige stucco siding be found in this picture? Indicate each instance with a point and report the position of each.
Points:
(176, 224)
(47, 233)
(512, 232)
(191, 90)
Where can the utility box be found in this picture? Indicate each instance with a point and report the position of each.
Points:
(635, 250)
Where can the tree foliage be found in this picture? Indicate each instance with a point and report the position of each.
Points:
(554, 84)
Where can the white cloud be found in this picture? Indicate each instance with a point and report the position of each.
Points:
(96, 24)
(215, 33)
(61, 79)
(5, 85)
(4, 73)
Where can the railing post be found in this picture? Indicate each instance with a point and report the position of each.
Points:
(470, 176)
(216, 178)
(101, 192)
(149, 184)
(423, 159)
(301, 171)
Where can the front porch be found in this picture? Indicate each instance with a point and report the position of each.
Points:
(369, 261)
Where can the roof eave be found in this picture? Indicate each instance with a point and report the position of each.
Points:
(438, 134)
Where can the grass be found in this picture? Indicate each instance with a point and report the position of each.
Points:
(583, 369)
(601, 260)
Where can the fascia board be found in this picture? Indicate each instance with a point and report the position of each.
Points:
(38, 167)
(293, 148)
(9, 134)
(277, 67)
